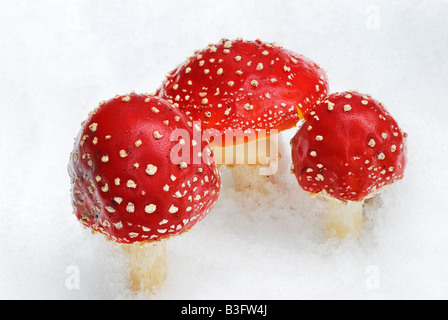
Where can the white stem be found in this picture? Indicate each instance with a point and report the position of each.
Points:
(247, 177)
(147, 263)
(343, 219)
(252, 164)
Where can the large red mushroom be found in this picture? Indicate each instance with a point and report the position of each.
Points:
(129, 186)
(349, 150)
(244, 93)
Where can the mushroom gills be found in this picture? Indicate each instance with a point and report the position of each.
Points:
(343, 219)
(147, 264)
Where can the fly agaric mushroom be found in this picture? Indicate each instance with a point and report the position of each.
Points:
(349, 150)
(243, 93)
(126, 186)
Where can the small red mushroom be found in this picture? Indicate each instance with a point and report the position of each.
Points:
(126, 186)
(349, 150)
(244, 91)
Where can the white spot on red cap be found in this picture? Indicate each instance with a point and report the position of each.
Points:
(151, 169)
(93, 127)
(130, 207)
(150, 208)
(131, 184)
(248, 107)
(183, 165)
(157, 135)
(173, 209)
(123, 153)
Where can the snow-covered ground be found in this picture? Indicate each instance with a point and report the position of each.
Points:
(58, 59)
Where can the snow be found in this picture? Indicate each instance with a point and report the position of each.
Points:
(59, 59)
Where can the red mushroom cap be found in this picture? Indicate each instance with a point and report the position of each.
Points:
(247, 85)
(349, 148)
(124, 184)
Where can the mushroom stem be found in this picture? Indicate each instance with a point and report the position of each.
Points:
(147, 264)
(343, 219)
(247, 177)
(252, 164)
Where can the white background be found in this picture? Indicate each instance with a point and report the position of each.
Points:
(58, 59)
